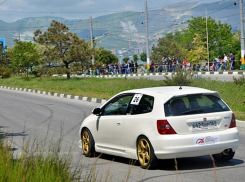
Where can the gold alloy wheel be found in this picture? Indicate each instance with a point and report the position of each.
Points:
(85, 142)
(144, 152)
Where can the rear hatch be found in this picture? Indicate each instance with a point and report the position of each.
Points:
(198, 113)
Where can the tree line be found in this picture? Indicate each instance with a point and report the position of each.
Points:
(57, 50)
(192, 44)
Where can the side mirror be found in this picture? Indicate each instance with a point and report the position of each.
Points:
(96, 111)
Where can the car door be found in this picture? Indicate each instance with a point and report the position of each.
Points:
(110, 124)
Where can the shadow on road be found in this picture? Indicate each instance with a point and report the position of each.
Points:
(181, 164)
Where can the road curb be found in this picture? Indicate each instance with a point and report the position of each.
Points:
(88, 99)
(155, 74)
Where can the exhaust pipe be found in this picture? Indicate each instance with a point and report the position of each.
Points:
(227, 151)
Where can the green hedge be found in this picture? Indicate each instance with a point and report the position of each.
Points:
(5, 72)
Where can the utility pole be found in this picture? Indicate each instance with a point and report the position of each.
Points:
(147, 39)
(91, 39)
(207, 38)
(242, 34)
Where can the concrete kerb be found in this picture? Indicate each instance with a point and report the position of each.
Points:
(158, 74)
(88, 99)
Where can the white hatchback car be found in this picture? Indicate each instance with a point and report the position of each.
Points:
(161, 123)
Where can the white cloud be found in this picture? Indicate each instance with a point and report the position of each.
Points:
(86, 3)
(129, 8)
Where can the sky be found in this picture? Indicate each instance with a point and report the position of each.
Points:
(13, 10)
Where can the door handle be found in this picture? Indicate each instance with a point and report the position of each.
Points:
(118, 124)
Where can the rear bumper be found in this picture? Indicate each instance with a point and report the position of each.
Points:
(179, 146)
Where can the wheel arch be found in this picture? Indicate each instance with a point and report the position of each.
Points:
(142, 135)
(82, 129)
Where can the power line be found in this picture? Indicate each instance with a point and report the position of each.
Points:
(3, 2)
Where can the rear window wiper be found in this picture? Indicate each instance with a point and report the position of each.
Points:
(199, 110)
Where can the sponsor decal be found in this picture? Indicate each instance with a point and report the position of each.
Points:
(208, 140)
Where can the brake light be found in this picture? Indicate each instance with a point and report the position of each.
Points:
(164, 127)
(233, 121)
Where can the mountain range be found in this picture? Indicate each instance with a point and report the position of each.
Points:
(126, 31)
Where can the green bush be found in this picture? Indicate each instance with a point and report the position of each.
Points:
(38, 71)
(237, 64)
(57, 70)
(180, 78)
(5, 72)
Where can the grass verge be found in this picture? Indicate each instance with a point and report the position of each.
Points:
(36, 162)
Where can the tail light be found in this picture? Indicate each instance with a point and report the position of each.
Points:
(164, 127)
(233, 121)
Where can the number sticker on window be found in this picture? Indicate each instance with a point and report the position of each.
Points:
(136, 99)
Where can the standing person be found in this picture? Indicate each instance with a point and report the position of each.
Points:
(174, 62)
(119, 67)
(225, 62)
(123, 68)
(102, 69)
(232, 61)
(135, 66)
(152, 66)
(131, 67)
(218, 65)
(164, 64)
(184, 65)
(169, 64)
(142, 69)
(127, 68)
(156, 68)
(115, 68)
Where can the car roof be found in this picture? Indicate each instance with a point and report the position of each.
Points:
(174, 91)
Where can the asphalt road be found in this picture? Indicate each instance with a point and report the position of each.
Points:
(26, 116)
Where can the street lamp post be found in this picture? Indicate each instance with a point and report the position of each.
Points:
(242, 34)
(147, 39)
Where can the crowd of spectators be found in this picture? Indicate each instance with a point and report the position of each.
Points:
(116, 68)
(167, 64)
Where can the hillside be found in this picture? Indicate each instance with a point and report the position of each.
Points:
(126, 31)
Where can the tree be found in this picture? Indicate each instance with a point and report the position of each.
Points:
(65, 47)
(126, 59)
(236, 45)
(135, 57)
(23, 55)
(199, 52)
(219, 35)
(106, 57)
(143, 57)
(167, 47)
(220, 40)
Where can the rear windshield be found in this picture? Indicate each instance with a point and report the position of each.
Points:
(194, 104)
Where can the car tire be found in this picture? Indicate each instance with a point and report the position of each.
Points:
(87, 143)
(145, 153)
(222, 157)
